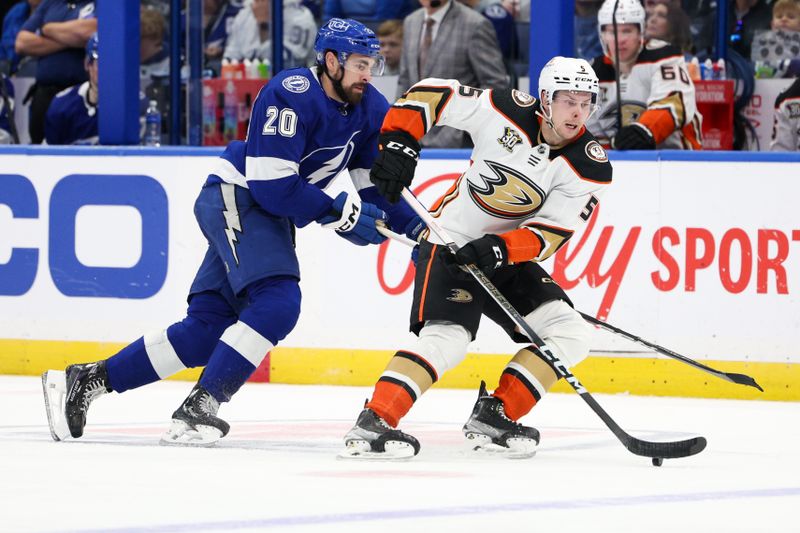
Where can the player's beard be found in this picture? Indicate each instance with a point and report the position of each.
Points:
(349, 94)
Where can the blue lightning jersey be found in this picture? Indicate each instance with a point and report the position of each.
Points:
(299, 139)
(71, 118)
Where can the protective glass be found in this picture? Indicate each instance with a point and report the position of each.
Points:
(361, 64)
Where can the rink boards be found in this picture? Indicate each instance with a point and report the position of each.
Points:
(696, 252)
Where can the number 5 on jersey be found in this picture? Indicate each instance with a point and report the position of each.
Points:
(286, 118)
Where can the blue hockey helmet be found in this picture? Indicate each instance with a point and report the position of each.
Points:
(92, 46)
(345, 37)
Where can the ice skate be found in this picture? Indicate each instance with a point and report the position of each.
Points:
(195, 422)
(68, 394)
(373, 438)
(490, 430)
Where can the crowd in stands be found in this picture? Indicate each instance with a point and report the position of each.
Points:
(482, 43)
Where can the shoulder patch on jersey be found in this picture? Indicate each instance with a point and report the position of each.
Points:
(509, 139)
(522, 99)
(521, 115)
(595, 152)
(296, 84)
(587, 158)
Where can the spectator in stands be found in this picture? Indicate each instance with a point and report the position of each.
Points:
(451, 41)
(501, 14)
(786, 15)
(8, 131)
(12, 23)
(669, 23)
(776, 52)
(587, 41)
(657, 107)
(251, 35)
(703, 17)
(367, 11)
(390, 35)
(56, 33)
(650, 5)
(218, 16)
(786, 128)
(748, 17)
(72, 115)
(153, 50)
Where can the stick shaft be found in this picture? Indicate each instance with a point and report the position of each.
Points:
(637, 446)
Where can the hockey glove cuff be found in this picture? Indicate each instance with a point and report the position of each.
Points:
(354, 220)
(633, 137)
(394, 167)
(487, 253)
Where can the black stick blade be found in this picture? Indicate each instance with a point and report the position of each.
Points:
(666, 450)
(743, 379)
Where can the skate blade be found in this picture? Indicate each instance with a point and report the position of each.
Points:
(518, 448)
(54, 387)
(360, 450)
(182, 434)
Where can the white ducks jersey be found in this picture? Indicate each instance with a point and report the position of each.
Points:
(515, 179)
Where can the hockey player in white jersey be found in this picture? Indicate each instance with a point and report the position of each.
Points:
(786, 128)
(536, 174)
(658, 107)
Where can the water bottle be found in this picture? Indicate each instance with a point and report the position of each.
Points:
(152, 127)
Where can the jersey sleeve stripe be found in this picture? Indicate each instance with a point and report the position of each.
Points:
(552, 236)
(270, 168)
(360, 178)
(225, 171)
(418, 110)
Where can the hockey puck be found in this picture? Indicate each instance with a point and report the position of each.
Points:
(658, 461)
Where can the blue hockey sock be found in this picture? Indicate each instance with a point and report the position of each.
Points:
(272, 312)
(185, 344)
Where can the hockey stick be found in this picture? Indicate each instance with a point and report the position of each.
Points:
(741, 379)
(616, 65)
(656, 450)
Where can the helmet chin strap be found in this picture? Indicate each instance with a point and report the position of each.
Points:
(548, 119)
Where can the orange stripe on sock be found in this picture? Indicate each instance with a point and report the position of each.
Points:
(516, 397)
(390, 401)
(425, 283)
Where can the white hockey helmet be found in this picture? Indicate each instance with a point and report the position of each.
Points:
(628, 12)
(567, 74)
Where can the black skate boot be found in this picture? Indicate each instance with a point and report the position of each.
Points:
(489, 429)
(373, 438)
(68, 394)
(195, 422)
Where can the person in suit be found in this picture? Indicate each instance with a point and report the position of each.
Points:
(445, 39)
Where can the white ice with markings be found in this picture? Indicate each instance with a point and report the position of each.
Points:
(277, 469)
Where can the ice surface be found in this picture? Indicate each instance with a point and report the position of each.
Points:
(277, 469)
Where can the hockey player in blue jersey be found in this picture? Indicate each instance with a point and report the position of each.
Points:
(72, 115)
(307, 126)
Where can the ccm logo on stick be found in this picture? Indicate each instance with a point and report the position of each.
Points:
(70, 276)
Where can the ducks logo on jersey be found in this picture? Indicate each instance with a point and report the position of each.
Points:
(507, 194)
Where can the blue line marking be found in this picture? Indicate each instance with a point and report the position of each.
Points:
(439, 512)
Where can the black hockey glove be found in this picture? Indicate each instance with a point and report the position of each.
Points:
(633, 137)
(488, 253)
(394, 167)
